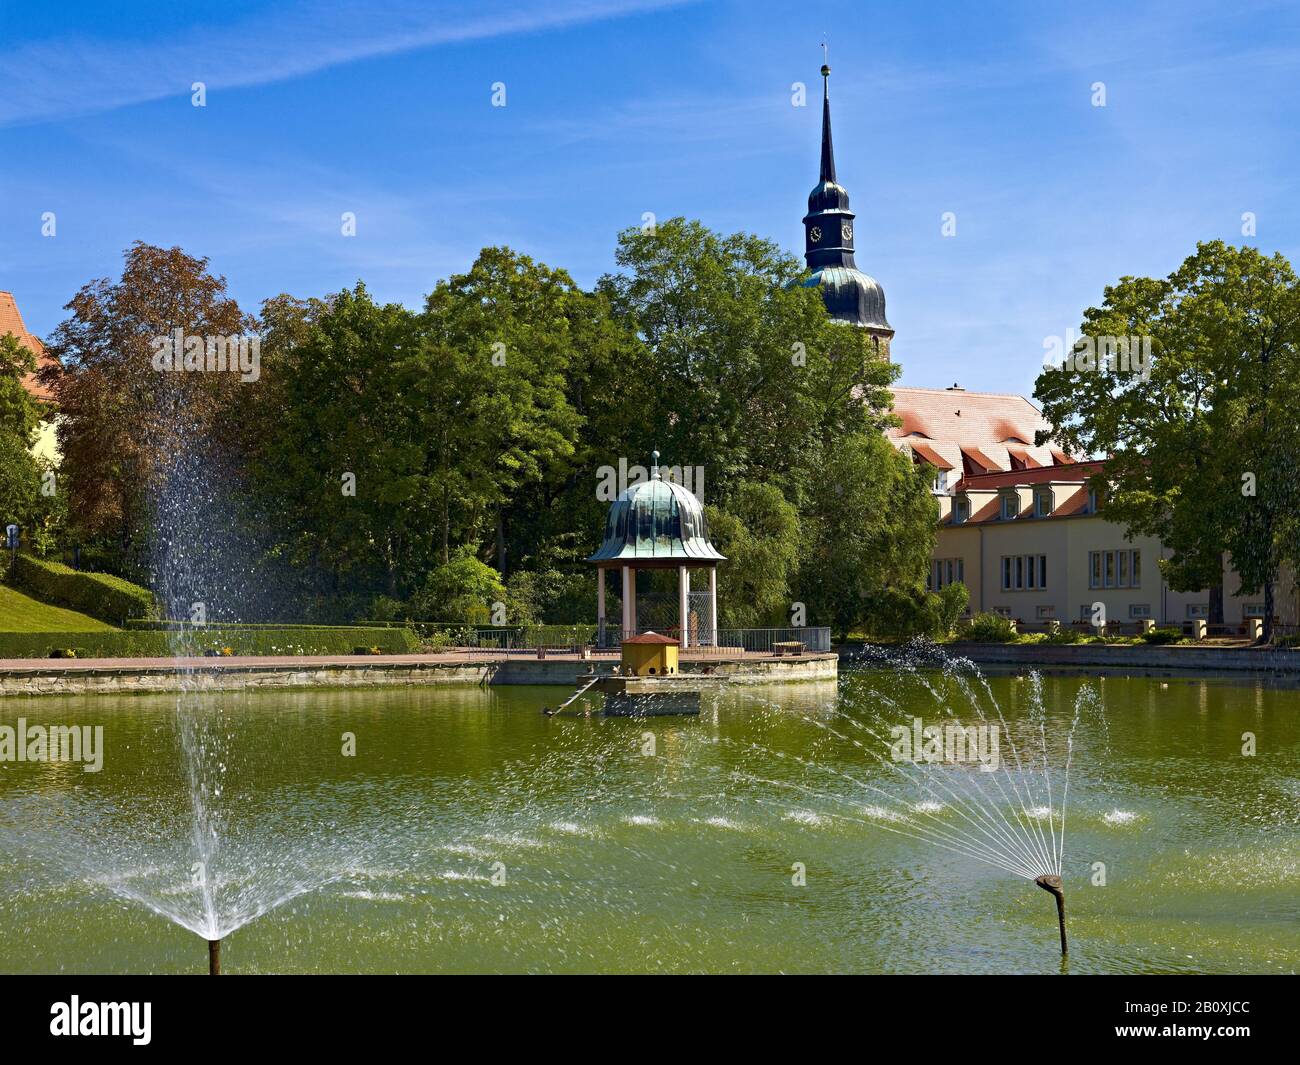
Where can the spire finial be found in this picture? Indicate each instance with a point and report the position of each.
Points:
(654, 465)
(828, 150)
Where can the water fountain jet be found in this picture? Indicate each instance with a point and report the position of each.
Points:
(1052, 885)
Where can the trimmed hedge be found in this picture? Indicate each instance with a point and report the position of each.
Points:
(107, 598)
(242, 640)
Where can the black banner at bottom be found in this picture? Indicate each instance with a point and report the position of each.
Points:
(84, 1014)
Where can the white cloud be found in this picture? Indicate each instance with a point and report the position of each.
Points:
(58, 79)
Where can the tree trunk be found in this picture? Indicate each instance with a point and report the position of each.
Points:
(1268, 611)
(446, 529)
(1216, 602)
(501, 544)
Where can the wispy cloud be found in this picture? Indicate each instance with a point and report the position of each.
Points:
(59, 79)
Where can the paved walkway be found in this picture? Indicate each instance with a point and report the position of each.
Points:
(448, 658)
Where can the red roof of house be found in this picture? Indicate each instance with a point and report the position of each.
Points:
(976, 431)
(11, 321)
(968, 418)
(651, 637)
(1065, 473)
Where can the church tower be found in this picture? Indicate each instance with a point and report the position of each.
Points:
(851, 296)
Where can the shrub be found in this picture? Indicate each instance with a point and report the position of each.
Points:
(1168, 635)
(953, 600)
(1065, 634)
(462, 590)
(991, 628)
(107, 598)
(165, 641)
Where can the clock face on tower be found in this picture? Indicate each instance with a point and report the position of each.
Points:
(815, 233)
(846, 230)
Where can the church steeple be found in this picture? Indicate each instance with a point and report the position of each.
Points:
(851, 296)
(828, 150)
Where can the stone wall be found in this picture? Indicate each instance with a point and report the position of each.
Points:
(43, 679)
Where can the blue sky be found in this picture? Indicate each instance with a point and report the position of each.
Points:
(622, 107)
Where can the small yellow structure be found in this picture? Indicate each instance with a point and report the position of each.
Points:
(650, 655)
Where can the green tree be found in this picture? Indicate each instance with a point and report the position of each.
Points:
(1200, 445)
(462, 590)
(20, 416)
(759, 535)
(338, 460)
(491, 390)
(870, 530)
(752, 379)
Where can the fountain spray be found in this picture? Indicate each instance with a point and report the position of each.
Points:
(214, 956)
(1052, 884)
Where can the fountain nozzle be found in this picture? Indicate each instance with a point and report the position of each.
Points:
(214, 957)
(1052, 884)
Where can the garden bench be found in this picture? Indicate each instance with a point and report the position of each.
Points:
(784, 647)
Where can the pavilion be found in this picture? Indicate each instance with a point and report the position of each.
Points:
(659, 524)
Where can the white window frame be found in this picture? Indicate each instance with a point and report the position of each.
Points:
(1116, 568)
(1024, 573)
(1044, 495)
(1009, 501)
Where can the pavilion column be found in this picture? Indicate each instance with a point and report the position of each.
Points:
(713, 605)
(629, 601)
(600, 606)
(684, 602)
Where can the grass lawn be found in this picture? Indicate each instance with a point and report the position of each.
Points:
(21, 613)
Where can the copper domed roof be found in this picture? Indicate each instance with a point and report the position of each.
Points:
(656, 520)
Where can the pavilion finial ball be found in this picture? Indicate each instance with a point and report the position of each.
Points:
(826, 72)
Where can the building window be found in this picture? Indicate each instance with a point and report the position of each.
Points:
(1044, 613)
(940, 481)
(1022, 573)
(1044, 503)
(1010, 505)
(961, 509)
(1092, 501)
(1252, 610)
(1137, 611)
(947, 571)
(1115, 569)
(1198, 610)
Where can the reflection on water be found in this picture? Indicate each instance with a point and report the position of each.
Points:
(470, 833)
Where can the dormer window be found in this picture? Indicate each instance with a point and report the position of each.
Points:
(960, 510)
(1043, 503)
(1092, 501)
(1010, 505)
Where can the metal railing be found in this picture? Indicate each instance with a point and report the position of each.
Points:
(577, 639)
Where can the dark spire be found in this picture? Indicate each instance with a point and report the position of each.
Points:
(828, 151)
(850, 295)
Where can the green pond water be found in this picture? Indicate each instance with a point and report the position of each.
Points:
(470, 833)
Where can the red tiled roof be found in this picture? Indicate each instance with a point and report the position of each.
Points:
(930, 455)
(1068, 473)
(11, 321)
(968, 418)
